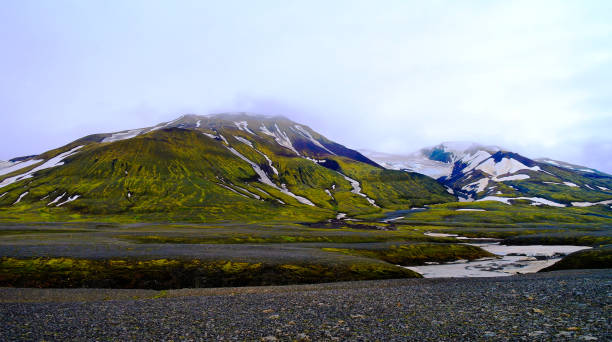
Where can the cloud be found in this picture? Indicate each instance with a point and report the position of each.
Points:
(530, 76)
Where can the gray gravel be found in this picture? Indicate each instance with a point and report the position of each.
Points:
(565, 305)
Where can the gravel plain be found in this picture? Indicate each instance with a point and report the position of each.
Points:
(562, 305)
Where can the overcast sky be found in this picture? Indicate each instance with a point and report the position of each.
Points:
(534, 77)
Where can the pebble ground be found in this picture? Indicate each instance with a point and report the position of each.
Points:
(563, 305)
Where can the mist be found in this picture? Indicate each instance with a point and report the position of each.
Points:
(531, 77)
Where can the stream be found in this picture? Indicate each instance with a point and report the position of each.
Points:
(511, 259)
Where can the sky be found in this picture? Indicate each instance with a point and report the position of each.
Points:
(534, 77)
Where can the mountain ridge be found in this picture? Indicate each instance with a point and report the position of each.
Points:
(476, 172)
(213, 167)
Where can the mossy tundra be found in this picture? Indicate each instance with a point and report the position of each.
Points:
(181, 273)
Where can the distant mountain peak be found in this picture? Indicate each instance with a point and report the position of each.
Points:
(473, 171)
(249, 115)
(451, 151)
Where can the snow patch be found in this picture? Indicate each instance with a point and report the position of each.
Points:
(307, 134)
(18, 166)
(256, 196)
(70, 199)
(123, 135)
(263, 178)
(466, 199)
(317, 161)
(243, 140)
(280, 137)
(392, 219)
(504, 166)
(243, 126)
(570, 184)
(52, 162)
(224, 140)
(357, 189)
(3, 194)
(536, 200)
(603, 188)
(478, 185)
(415, 162)
(269, 161)
(283, 140)
(56, 199)
(20, 197)
(263, 192)
(440, 234)
(511, 178)
(326, 191)
(266, 131)
(212, 136)
(588, 204)
(474, 160)
(198, 123)
(232, 190)
(509, 263)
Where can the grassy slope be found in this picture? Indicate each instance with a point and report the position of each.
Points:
(172, 175)
(182, 273)
(417, 254)
(503, 214)
(395, 189)
(600, 257)
(561, 193)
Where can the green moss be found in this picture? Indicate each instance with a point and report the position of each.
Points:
(496, 213)
(180, 273)
(173, 175)
(418, 254)
(7, 232)
(591, 258)
(593, 238)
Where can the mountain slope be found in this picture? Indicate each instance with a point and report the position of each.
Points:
(475, 172)
(216, 167)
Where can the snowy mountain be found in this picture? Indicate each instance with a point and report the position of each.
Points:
(221, 166)
(476, 172)
(415, 162)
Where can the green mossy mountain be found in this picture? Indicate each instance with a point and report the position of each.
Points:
(207, 168)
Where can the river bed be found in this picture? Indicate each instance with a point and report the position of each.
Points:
(512, 260)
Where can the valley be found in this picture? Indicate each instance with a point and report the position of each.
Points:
(305, 171)
(237, 199)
